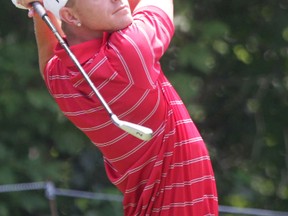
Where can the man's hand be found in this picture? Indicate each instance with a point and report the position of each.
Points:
(18, 5)
(25, 4)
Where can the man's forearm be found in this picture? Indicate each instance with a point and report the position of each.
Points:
(46, 40)
(166, 5)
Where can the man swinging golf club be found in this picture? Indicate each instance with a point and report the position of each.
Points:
(169, 174)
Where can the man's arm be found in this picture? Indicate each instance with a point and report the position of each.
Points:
(133, 4)
(166, 5)
(46, 40)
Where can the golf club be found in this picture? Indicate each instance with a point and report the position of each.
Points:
(136, 130)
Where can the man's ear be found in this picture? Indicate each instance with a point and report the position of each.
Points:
(68, 16)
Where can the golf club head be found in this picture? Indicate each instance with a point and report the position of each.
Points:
(135, 130)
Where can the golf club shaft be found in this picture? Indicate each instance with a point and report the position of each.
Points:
(42, 12)
(138, 131)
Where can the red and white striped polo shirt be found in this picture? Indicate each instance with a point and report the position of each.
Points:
(170, 175)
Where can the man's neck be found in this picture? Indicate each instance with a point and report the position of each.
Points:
(77, 35)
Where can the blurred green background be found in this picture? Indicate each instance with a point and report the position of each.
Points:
(228, 61)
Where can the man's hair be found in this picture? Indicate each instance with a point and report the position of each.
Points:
(70, 3)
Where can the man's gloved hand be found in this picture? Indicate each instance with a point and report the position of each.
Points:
(26, 4)
(15, 2)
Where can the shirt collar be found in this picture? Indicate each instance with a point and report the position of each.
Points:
(82, 52)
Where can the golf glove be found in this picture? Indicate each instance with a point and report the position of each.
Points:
(18, 5)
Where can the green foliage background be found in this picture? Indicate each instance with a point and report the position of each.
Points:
(228, 61)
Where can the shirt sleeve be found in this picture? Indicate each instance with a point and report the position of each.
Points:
(136, 50)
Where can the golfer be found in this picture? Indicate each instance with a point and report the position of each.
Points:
(119, 43)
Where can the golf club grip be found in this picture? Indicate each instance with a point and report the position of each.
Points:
(40, 10)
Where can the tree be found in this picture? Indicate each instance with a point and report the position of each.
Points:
(233, 56)
(228, 61)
